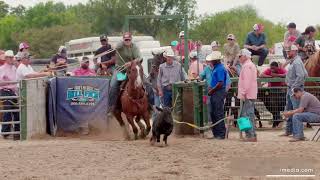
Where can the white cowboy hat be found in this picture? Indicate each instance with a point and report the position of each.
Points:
(214, 56)
(168, 53)
(193, 54)
(292, 48)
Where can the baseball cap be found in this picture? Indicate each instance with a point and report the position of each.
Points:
(292, 48)
(85, 59)
(103, 37)
(231, 36)
(292, 25)
(257, 27)
(174, 43)
(214, 56)
(181, 34)
(127, 35)
(193, 54)
(23, 45)
(9, 53)
(245, 52)
(214, 44)
(62, 49)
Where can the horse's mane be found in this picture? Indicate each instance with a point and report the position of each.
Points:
(313, 61)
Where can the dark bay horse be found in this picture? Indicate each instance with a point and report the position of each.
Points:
(134, 101)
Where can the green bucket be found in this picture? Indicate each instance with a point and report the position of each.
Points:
(244, 124)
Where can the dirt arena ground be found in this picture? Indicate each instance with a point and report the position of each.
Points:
(108, 156)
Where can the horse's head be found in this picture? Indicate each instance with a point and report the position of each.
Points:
(158, 59)
(135, 73)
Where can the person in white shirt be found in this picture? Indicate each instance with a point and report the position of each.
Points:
(25, 71)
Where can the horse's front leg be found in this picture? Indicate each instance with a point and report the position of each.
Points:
(133, 125)
(146, 118)
(141, 126)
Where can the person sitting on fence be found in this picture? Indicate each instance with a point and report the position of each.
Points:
(169, 73)
(25, 71)
(248, 91)
(308, 111)
(214, 46)
(84, 70)
(274, 71)
(295, 78)
(107, 61)
(8, 73)
(256, 43)
(290, 37)
(180, 47)
(231, 51)
(59, 62)
(196, 67)
(306, 43)
(217, 93)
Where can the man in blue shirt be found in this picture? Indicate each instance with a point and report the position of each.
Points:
(206, 74)
(217, 93)
(256, 43)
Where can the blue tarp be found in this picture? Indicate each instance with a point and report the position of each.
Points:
(73, 100)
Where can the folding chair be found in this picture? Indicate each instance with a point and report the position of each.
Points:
(316, 134)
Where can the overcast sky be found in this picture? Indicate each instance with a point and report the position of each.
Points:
(304, 12)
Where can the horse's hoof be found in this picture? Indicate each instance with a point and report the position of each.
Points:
(146, 132)
(142, 136)
(136, 137)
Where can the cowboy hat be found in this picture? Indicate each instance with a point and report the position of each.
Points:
(214, 56)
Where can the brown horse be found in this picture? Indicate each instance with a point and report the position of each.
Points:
(312, 65)
(134, 101)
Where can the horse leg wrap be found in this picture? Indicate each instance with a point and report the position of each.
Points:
(142, 129)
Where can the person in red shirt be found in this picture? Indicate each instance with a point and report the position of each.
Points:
(84, 70)
(274, 71)
(180, 47)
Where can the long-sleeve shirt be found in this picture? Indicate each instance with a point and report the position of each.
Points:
(248, 86)
(8, 73)
(297, 73)
(169, 74)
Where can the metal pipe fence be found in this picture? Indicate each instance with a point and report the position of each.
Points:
(10, 109)
(271, 101)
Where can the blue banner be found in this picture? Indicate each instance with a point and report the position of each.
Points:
(78, 99)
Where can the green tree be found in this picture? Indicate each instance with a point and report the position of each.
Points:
(9, 25)
(238, 21)
(18, 11)
(4, 9)
(45, 42)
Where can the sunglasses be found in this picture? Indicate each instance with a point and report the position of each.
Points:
(230, 39)
(127, 40)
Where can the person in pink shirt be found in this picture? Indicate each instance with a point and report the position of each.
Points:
(84, 70)
(2, 60)
(194, 71)
(247, 91)
(8, 87)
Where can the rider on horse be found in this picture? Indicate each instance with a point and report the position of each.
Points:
(127, 52)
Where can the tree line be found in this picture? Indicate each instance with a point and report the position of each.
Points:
(46, 26)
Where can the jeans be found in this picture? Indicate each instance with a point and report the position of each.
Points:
(156, 103)
(209, 109)
(248, 111)
(167, 97)
(114, 90)
(7, 117)
(292, 103)
(297, 122)
(262, 53)
(217, 113)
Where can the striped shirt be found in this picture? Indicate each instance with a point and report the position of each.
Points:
(169, 74)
